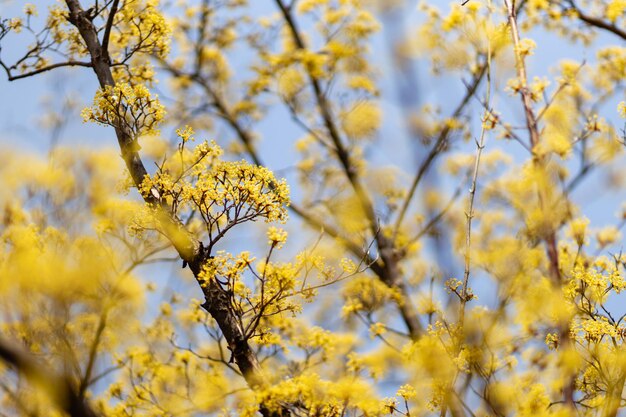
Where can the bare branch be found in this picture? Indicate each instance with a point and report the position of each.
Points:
(107, 29)
(44, 69)
(437, 148)
(59, 388)
(469, 214)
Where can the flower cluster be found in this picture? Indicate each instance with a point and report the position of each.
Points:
(127, 107)
(364, 294)
(141, 28)
(224, 193)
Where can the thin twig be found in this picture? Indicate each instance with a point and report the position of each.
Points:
(531, 121)
(436, 218)
(437, 148)
(45, 69)
(469, 214)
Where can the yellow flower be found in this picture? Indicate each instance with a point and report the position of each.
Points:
(578, 229)
(390, 404)
(166, 309)
(276, 237)
(526, 47)
(348, 266)
(615, 10)
(407, 392)
(126, 106)
(362, 121)
(621, 109)
(290, 82)
(30, 9)
(185, 134)
(377, 329)
(15, 24)
(361, 82)
(607, 236)
(368, 295)
(552, 341)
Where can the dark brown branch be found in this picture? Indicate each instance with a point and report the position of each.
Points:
(597, 22)
(201, 34)
(107, 29)
(60, 388)
(44, 69)
(93, 351)
(188, 247)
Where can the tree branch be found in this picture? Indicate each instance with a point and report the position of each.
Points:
(44, 69)
(597, 22)
(437, 147)
(107, 29)
(59, 388)
(188, 247)
(551, 238)
(389, 272)
(480, 145)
